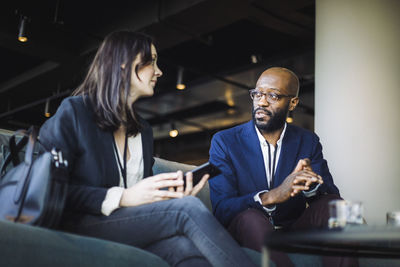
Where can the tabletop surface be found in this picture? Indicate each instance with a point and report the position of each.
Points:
(360, 241)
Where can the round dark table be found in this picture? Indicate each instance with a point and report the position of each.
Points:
(355, 241)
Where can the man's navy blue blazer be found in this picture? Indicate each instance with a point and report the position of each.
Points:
(89, 150)
(237, 153)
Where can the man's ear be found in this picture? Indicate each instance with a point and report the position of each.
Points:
(293, 103)
(123, 66)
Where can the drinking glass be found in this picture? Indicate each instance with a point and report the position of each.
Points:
(337, 214)
(342, 212)
(355, 211)
(393, 218)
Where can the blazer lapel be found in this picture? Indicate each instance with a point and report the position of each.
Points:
(111, 171)
(110, 162)
(104, 150)
(147, 146)
(288, 156)
(253, 155)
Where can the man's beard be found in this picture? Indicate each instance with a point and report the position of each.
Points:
(276, 120)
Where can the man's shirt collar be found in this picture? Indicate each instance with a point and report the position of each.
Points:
(264, 142)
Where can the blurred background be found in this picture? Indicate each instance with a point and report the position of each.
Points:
(345, 52)
(210, 51)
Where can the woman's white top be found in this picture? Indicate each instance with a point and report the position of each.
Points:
(134, 173)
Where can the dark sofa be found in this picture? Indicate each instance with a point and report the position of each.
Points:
(23, 245)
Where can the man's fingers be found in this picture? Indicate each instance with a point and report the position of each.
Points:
(308, 168)
(306, 173)
(304, 178)
(309, 173)
(299, 166)
(299, 188)
(311, 181)
(296, 190)
(302, 164)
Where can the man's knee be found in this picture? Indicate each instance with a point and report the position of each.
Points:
(318, 212)
(250, 220)
(249, 228)
(323, 200)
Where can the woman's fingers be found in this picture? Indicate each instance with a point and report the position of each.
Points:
(151, 189)
(164, 180)
(173, 182)
(180, 178)
(200, 185)
(168, 183)
(166, 194)
(189, 183)
(165, 176)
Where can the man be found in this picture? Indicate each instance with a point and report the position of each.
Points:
(270, 170)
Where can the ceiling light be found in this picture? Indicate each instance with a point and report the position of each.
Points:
(46, 109)
(254, 59)
(231, 111)
(179, 80)
(289, 118)
(174, 132)
(229, 97)
(22, 29)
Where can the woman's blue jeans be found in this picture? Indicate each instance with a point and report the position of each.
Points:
(181, 231)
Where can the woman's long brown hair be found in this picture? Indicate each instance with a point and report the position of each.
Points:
(107, 83)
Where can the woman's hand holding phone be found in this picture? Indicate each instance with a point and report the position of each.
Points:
(195, 180)
(188, 189)
(150, 190)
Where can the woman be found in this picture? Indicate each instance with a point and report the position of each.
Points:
(109, 150)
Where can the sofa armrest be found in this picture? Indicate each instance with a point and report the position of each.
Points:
(162, 165)
(24, 245)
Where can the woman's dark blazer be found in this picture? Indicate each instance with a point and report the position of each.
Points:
(89, 150)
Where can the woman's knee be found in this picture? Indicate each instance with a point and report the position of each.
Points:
(189, 204)
(184, 252)
(192, 202)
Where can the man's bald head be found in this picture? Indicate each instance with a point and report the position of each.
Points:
(286, 76)
(280, 87)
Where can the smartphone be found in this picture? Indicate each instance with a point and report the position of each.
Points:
(200, 171)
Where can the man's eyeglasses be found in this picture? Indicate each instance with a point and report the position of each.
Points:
(270, 96)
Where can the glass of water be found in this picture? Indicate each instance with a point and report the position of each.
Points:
(393, 218)
(355, 212)
(337, 214)
(342, 212)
